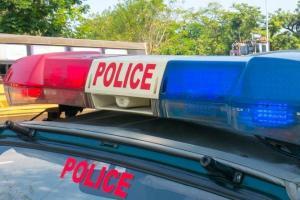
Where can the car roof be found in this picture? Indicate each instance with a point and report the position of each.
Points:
(244, 152)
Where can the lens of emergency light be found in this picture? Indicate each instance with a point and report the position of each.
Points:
(270, 79)
(266, 115)
(32, 92)
(255, 96)
(266, 100)
(56, 78)
(199, 90)
(268, 94)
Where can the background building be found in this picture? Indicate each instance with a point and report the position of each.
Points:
(13, 47)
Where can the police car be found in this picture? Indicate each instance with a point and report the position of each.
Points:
(163, 127)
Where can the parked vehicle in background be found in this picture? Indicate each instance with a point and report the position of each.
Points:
(257, 44)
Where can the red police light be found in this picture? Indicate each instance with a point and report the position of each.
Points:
(49, 78)
(32, 92)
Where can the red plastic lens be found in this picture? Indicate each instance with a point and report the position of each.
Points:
(49, 78)
(32, 92)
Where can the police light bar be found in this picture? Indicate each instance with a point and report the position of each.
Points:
(253, 95)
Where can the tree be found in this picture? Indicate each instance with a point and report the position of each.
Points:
(244, 20)
(212, 30)
(40, 17)
(131, 20)
(200, 32)
(284, 29)
(170, 30)
(285, 41)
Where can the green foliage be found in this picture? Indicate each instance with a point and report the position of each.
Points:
(40, 17)
(285, 41)
(210, 30)
(162, 24)
(244, 20)
(200, 32)
(132, 20)
(284, 34)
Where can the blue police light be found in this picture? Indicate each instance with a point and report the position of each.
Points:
(200, 90)
(267, 100)
(251, 95)
(273, 115)
(264, 114)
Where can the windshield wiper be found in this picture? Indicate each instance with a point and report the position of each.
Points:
(221, 173)
(24, 133)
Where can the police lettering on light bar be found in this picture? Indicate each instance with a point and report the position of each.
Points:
(126, 76)
(109, 73)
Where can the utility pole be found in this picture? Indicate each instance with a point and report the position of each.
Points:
(267, 25)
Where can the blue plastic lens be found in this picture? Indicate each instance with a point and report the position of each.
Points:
(268, 95)
(256, 95)
(270, 79)
(199, 90)
(200, 80)
(272, 115)
(264, 115)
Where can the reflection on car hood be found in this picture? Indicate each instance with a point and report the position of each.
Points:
(33, 174)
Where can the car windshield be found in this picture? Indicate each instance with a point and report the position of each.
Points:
(34, 174)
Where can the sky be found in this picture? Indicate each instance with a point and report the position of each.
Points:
(100, 5)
